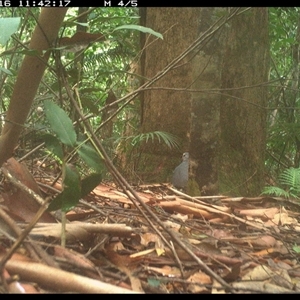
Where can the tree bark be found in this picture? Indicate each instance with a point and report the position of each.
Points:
(243, 104)
(224, 130)
(205, 108)
(166, 109)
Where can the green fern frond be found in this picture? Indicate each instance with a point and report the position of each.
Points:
(291, 178)
(275, 191)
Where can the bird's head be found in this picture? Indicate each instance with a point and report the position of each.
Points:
(185, 156)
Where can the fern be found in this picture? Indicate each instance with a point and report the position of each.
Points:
(291, 178)
(275, 191)
(290, 182)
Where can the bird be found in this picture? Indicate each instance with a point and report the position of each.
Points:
(181, 173)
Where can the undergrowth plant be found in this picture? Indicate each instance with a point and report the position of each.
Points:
(289, 185)
(61, 141)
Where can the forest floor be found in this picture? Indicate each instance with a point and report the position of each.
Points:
(171, 243)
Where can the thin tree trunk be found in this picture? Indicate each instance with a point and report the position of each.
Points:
(29, 77)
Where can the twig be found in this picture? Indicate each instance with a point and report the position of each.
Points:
(22, 187)
(31, 152)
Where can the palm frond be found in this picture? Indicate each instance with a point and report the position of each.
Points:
(108, 58)
(169, 139)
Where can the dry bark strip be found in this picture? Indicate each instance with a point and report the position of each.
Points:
(80, 231)
(59, 280)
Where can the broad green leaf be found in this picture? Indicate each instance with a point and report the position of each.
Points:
(53, 145)
(60, 123)
(8, 26)
(8, 72)
(140, 28)
(89, 183)
(71, 193)
(71, 175)
(90, 156)
(56, 203)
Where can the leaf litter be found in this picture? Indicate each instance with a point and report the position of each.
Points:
(194, 245)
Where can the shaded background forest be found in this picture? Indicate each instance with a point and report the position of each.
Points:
(105, 67)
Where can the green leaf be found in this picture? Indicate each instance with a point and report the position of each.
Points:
(8, 26)
(56, 203)
(71, 193)
(60, 123)
(89, 183)
(154, 282)
(90, 156)
(72, 178)
(140, 28)
(6, 71)
(30, 52)
(53, 145)
(296, 248)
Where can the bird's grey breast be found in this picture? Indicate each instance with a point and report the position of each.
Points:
(181, 173)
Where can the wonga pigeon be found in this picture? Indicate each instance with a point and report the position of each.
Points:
(181, 173)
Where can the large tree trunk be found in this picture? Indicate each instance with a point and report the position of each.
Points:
(243, 105)
(167, 109)
(223, 132)
(205, 108)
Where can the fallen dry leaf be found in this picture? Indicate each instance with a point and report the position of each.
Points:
(201, 279)
(166, 271)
